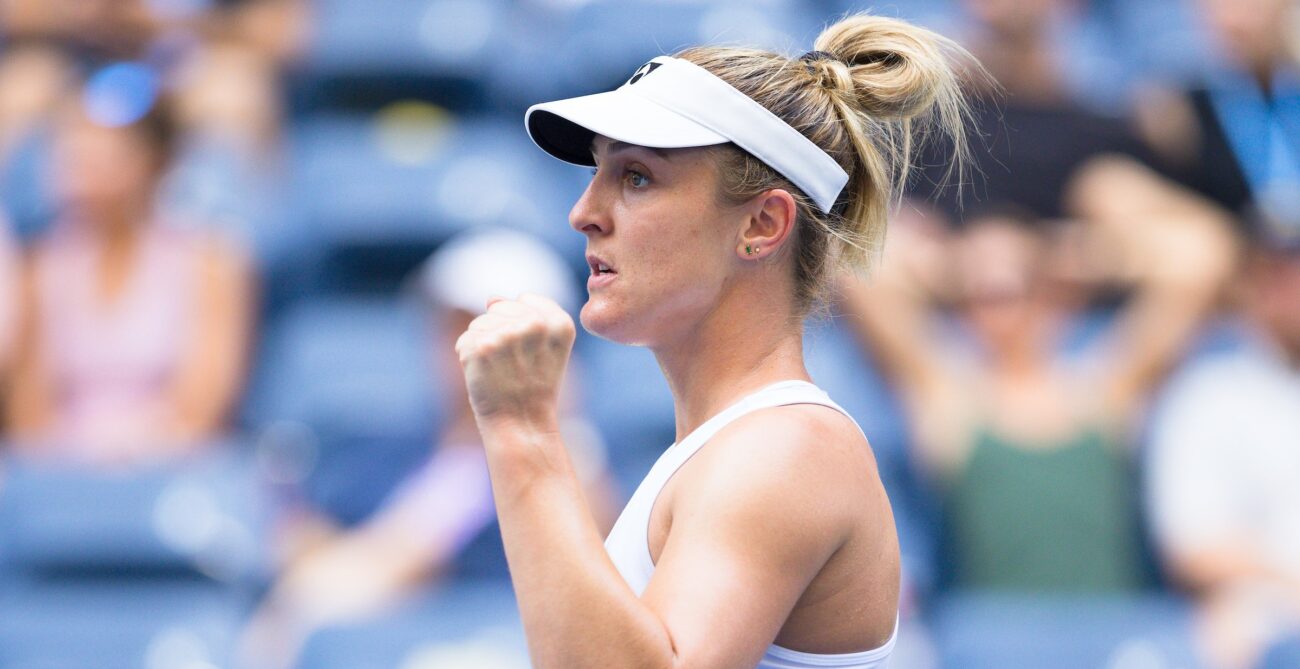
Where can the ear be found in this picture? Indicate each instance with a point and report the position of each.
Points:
(769, 220)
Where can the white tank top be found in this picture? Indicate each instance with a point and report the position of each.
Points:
(628, 543)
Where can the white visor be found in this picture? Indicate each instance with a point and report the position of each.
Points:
(672, 103)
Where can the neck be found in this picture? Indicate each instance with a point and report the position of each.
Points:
(1026, 355)
(1019, 362)
(118, 225)
(735, 350)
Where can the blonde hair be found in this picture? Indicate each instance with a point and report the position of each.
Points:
(873, 90)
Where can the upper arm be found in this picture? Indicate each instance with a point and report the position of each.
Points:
(226, 283)
(210, 375)
(753, 522)
(10, 298)
(892, 311)
(1178, 251)
(29, 406)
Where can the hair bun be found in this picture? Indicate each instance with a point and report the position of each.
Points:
(898, 70)
(871, 93)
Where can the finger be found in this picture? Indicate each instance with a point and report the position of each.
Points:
(554, 314)
(493, 300)
(488, 323)
(545, 304)
(464, 343)
(511, 308)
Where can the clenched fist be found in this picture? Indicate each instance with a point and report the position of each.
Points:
(514, 358)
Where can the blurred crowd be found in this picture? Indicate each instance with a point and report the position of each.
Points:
(237, 238)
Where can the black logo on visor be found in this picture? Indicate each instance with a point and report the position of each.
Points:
(642, 72)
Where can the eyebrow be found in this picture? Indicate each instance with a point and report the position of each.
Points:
(615, 146)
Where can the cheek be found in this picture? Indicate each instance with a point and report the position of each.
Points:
(650, 301)
(668, 282)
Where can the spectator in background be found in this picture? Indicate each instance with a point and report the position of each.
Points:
(34, 77)
(9, 282)
(1224, 469)
(279, 29)
(1235, 136)
(109, 27)
(416, 536)
(1034, 132)
(1028, 446)
(134, 331)
(126, 28)
(228, 166)
(227, 92)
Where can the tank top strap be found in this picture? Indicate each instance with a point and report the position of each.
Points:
(783, 393)
(628, 541)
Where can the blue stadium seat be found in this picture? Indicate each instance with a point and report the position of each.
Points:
(25, 199)
(629, 401)
(359, 361)
(1284, 654)
(199, 516)
(978, 631)
(378, 198)
(110, 625)
(367, 53)
(1161, 39)
(597, 45)
(356, 376)
(926, 12)
(457, 625)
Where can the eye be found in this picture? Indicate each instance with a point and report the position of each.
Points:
(637, 179)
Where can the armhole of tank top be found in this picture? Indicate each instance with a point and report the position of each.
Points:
(863, 659)
(803, 386)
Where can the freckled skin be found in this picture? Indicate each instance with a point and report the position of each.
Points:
(659, 223)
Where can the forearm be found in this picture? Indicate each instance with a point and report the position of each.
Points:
(1177, 289)
(1216, 568)
(889, 318)
(577, 610)
(28, 412)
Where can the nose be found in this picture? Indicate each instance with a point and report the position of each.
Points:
(590, 214)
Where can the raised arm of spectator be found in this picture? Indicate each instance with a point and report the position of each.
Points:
(10, 290)
(30, 403)
(1176, 249)
(891, 313)
(211, 375)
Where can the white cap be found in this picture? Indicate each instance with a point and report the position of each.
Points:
(472, 267)
(673, 103)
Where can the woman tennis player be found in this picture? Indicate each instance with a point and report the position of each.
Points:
(729, 186)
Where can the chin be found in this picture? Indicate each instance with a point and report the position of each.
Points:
(603, 320)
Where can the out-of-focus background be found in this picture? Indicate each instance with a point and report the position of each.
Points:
(238, 236)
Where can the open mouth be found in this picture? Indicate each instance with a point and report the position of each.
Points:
(599, 267)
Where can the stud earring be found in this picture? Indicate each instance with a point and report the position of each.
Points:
(749, 250)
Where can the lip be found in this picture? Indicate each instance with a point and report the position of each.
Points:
(599, 279)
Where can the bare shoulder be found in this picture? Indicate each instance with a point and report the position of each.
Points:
(794, 439)
(807, 464)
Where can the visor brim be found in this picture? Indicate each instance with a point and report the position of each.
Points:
(565, 128)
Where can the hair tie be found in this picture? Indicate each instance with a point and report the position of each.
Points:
(812, 56)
